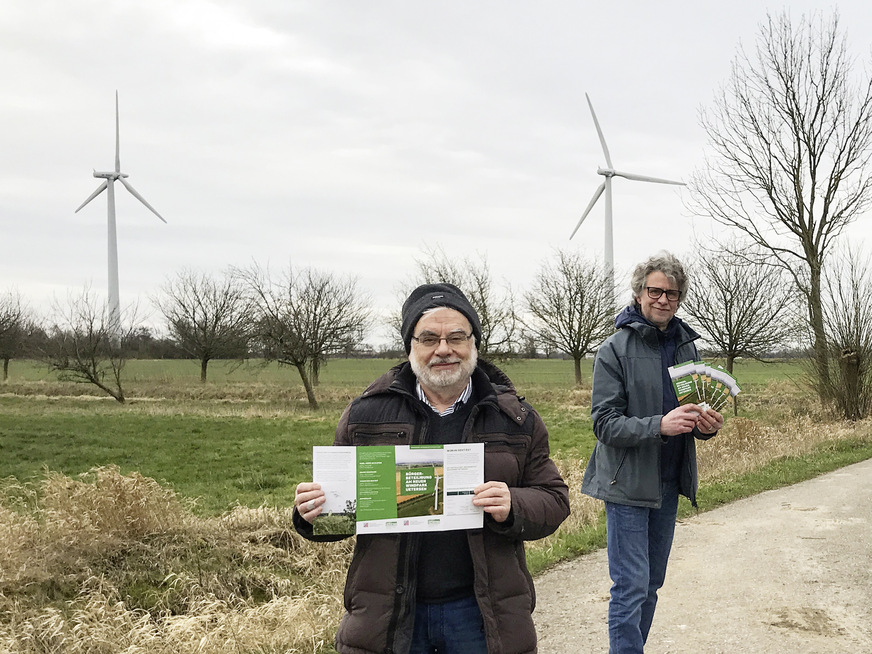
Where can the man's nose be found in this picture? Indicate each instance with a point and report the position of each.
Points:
(443, 346)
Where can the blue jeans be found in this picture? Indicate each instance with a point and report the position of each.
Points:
(639, 540)
(451, 628)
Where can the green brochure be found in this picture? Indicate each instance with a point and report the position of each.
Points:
(394, 489)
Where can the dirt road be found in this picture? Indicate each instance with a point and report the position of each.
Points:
(787, 571)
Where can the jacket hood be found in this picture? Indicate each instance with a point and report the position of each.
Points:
(629, 315)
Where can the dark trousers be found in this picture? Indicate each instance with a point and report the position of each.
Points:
(449, 628)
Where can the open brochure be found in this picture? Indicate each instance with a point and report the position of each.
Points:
(392, 489)
(696, 382)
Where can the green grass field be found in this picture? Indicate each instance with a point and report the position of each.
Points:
(245, 437)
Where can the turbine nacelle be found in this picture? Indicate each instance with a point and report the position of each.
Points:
(110, 175)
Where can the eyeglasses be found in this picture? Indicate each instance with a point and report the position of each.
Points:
(671, 294)
(455, 340)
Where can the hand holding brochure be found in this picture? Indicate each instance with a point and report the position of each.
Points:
(696, 382)
(392, 489)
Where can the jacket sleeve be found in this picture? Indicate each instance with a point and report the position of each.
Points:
(541, 502)
(698, 435)
(611, 424)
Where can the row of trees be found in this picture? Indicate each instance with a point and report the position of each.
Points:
(301, 318)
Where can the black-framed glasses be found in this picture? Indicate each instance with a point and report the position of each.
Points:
(671, 294)
(455, 340)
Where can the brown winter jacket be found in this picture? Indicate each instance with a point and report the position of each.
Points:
(381, 584)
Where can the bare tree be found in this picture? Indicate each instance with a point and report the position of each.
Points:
(744, 309)
(13, 328)
(791, 134)
(209, 318)
(495, 309)
(305, 316)
(571, 306)
(86, 345)
(848, 314)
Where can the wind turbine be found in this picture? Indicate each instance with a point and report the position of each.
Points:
(606, 186)
(109, 179)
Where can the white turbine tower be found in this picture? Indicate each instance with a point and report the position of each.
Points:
(108, 184)
(606, 186)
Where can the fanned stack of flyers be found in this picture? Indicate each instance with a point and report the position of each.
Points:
(696, 382)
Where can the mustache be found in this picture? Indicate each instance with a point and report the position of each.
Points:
(440, 360)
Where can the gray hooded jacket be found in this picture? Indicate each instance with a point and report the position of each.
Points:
(626, 407)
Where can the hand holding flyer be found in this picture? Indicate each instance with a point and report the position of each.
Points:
(393, 489)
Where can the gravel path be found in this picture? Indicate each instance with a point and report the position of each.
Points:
(787, 571)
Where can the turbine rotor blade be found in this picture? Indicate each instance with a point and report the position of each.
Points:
(134, 193)
(646, 178)
(599, 132)
(93, 195)
(117, 137)
(596, 196)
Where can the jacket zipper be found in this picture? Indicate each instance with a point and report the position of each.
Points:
(618, 469)
(379, 434)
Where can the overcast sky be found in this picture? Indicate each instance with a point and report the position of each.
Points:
(349, 136)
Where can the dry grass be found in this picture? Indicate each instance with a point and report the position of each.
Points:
(585, 510)
(116, 563)
(745, 445)
(789, 423)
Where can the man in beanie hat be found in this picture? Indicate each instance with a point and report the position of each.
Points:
(462, 591)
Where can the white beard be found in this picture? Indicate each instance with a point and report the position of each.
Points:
(438, 379)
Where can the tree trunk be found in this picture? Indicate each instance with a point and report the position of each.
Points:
(816, 315)
(310, 392)
(203, 364)
(850, 365)
(5, 369)
(117, 393)
(577, 365)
